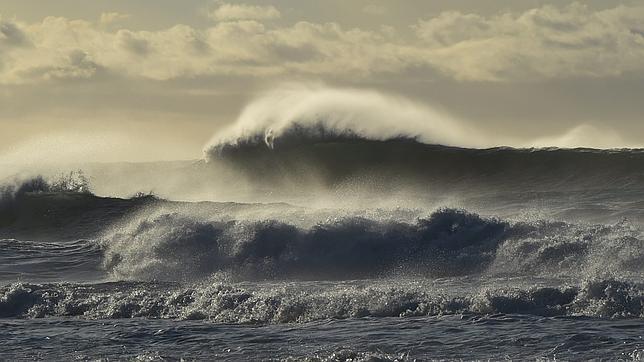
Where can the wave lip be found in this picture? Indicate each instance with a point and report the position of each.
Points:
(375, 116)
(230, 304)
(367, 114)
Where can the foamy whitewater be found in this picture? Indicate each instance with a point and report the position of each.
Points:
(329, 225)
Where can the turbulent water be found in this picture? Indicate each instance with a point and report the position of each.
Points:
(360, 249)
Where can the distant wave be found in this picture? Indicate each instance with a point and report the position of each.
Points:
(377, 116)
(368, 114)
(36, 209)
(223, 303)
(302, 137)
(303, 157)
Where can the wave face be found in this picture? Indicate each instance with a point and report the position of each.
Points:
(151, 239)
(225, 303)
(314, 161)
(30, 211)
(449, 242)
(310, 139)
(175, 246)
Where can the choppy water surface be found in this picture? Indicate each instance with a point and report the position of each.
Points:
(465, 337)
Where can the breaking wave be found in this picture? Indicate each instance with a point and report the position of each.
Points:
(223, 303)
(369, 114)
(449, 242)
(311, 160)
(60, 236)
(311, 138)
(376, 116)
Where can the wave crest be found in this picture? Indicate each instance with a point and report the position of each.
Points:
(226, 303)
(449, 242)
(172, 246)
(315, 108)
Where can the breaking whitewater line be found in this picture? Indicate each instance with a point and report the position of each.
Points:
(225, 303)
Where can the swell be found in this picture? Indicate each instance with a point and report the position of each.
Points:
(303, 157)
(224, 303)
(79, 260)
(28, 214)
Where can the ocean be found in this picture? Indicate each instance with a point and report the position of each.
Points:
(329, 248)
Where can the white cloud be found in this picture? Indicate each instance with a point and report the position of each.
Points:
(541, 43)
(451, 27)
(112, 18)
(228, 12)
(546, 42)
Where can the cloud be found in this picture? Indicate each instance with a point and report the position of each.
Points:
(538, 44)
(545, 42)
(76, 65)
(112, 18)
(11, 34)
(133, 42)
(57, 49)
(452, 27)
(228, 12)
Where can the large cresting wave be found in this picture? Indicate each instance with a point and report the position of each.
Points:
(311, 139)
(322, 111)
(367, 114)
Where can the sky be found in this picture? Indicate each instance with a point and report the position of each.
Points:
(122, 80)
